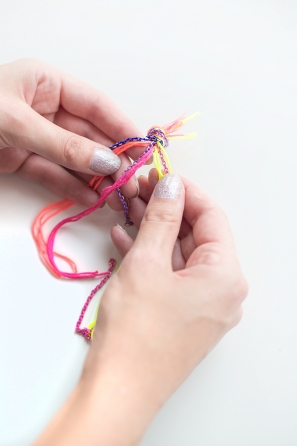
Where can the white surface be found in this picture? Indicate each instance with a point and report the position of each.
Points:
(235, 61)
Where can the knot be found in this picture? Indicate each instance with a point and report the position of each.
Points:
(158, 135)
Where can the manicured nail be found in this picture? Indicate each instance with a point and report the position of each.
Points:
(104, 161)
(120, 227)
(169, 186)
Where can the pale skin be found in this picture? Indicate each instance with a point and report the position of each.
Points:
(50, 124)
(179, 290)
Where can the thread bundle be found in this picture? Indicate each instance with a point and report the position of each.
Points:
(154, 145)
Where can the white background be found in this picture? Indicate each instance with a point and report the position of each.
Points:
(235, 61)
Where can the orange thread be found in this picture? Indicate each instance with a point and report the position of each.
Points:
(38, 234)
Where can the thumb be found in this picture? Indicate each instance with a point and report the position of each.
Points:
(161, 221)
(31, 131)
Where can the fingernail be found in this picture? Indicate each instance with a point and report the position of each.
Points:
(149, 161)
(104, 161)
(137, 185)
(169, 186)
(120, 227)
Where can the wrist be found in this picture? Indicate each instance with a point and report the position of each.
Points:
(121, 403)
(109, 407)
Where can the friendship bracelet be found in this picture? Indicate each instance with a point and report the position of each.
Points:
(154, 144)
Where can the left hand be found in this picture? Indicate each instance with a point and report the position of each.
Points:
(50, 127)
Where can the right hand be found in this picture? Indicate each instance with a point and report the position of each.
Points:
(156, 321)
(163, 313)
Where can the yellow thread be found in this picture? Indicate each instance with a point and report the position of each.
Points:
(157, 162)
(183, 121)
(94, 321)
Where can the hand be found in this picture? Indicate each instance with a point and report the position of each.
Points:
(50, 126)
(154, 324)
(185, 243)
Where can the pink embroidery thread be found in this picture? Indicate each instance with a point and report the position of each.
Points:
(156, 140)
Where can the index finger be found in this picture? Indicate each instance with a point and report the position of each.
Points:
(85, 101)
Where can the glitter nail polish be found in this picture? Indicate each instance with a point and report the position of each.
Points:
(104, 161)
(169, 186)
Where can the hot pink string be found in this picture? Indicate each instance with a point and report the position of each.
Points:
(104, 194)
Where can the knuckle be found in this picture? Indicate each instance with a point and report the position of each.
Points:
(156, 214)
(93, 109)
(210, 254)
(71, 150)
(240, 288)
(236, 290)
(237, 317)
(120, 131)
(29, 61)
(33, 65)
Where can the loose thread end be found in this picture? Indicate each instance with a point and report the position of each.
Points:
(155, 144)
(189, 118)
